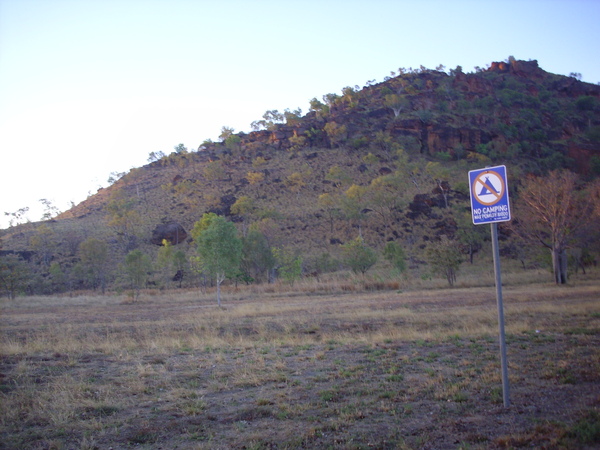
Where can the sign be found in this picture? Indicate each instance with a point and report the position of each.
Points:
(489, 195)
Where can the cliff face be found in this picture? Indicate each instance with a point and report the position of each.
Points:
(512, 109)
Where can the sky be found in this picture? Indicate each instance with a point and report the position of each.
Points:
(92, 87)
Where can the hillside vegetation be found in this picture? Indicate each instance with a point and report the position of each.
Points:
(386, 163)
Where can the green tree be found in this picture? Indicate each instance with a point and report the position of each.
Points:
(124, 219)
(225, 133)
(353, 205)
(165, 262)
(137, 268)
(469, 235)
(289, 264)
(234, 143)
(57, 277)
(94, 263)
(358, 255)
(14, 273)
(444, 257)
(219, 250)
(295, 182)
(257, 256)
(337, 133)
(244, 207)
(394, 253)
(202, 225)
(44, 243)
(180, 149)
(396, 103)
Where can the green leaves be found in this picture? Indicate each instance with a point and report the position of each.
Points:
(359, 256)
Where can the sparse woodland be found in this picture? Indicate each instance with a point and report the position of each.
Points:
(385, 163)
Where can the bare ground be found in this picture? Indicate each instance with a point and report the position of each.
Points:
(362, 370)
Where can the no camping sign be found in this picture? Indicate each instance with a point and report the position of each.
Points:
(489, 195)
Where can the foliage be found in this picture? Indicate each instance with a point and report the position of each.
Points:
(93, 267)
(165, 261)
(394, 253)
(444, 257)
(553, 211)
(137, 268)
(358, 256)
(289, 264)
(14, 273)
(257, 256)
(124, 219)
(337, 133)
(218, 247)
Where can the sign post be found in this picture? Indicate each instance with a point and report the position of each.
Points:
(490, 204)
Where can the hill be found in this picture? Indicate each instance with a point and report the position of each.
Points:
(387, 162)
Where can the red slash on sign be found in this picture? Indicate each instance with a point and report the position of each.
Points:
(488, 188)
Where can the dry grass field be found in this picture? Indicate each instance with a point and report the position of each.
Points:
(329, 366)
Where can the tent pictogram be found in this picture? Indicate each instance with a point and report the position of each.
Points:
(485, 189)
(488, 188)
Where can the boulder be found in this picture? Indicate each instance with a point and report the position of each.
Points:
(172, 232)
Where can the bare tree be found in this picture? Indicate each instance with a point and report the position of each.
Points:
(552, 211)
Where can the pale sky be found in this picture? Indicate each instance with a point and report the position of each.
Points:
(90, 87)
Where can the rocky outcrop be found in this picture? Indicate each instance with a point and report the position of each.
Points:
(173, 232)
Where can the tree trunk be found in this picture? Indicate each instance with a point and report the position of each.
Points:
(219, 292)
(559, 265)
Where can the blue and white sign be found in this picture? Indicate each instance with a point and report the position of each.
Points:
(489, 195)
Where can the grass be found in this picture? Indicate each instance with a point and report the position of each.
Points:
(305, 369)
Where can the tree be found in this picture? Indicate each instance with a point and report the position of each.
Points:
(124, 219)
(289, 264)
(233, 143)
(337, 133)
(17, 217)
(328, 203)
(394, 253)
(14, 273)
(469, 235)
(165, 262)
(385, 195)
(358, 255)
(225, 133)
(444, 257)
(384, 142)
(353, 205)
(155, 156)
(180, 265)
(137, 267)
(257, 257)
(295, 182)
(58, 278)
(50, 210)
(180, 149)
(396, 103)
(44, 243)
(219, 249)
(551, 211)
(93, 262)
(244, 207)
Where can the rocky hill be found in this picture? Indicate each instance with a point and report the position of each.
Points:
(388, 162)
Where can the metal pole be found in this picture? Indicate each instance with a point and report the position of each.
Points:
(503, 361)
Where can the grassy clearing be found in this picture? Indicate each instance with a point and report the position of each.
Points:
(306, 369)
